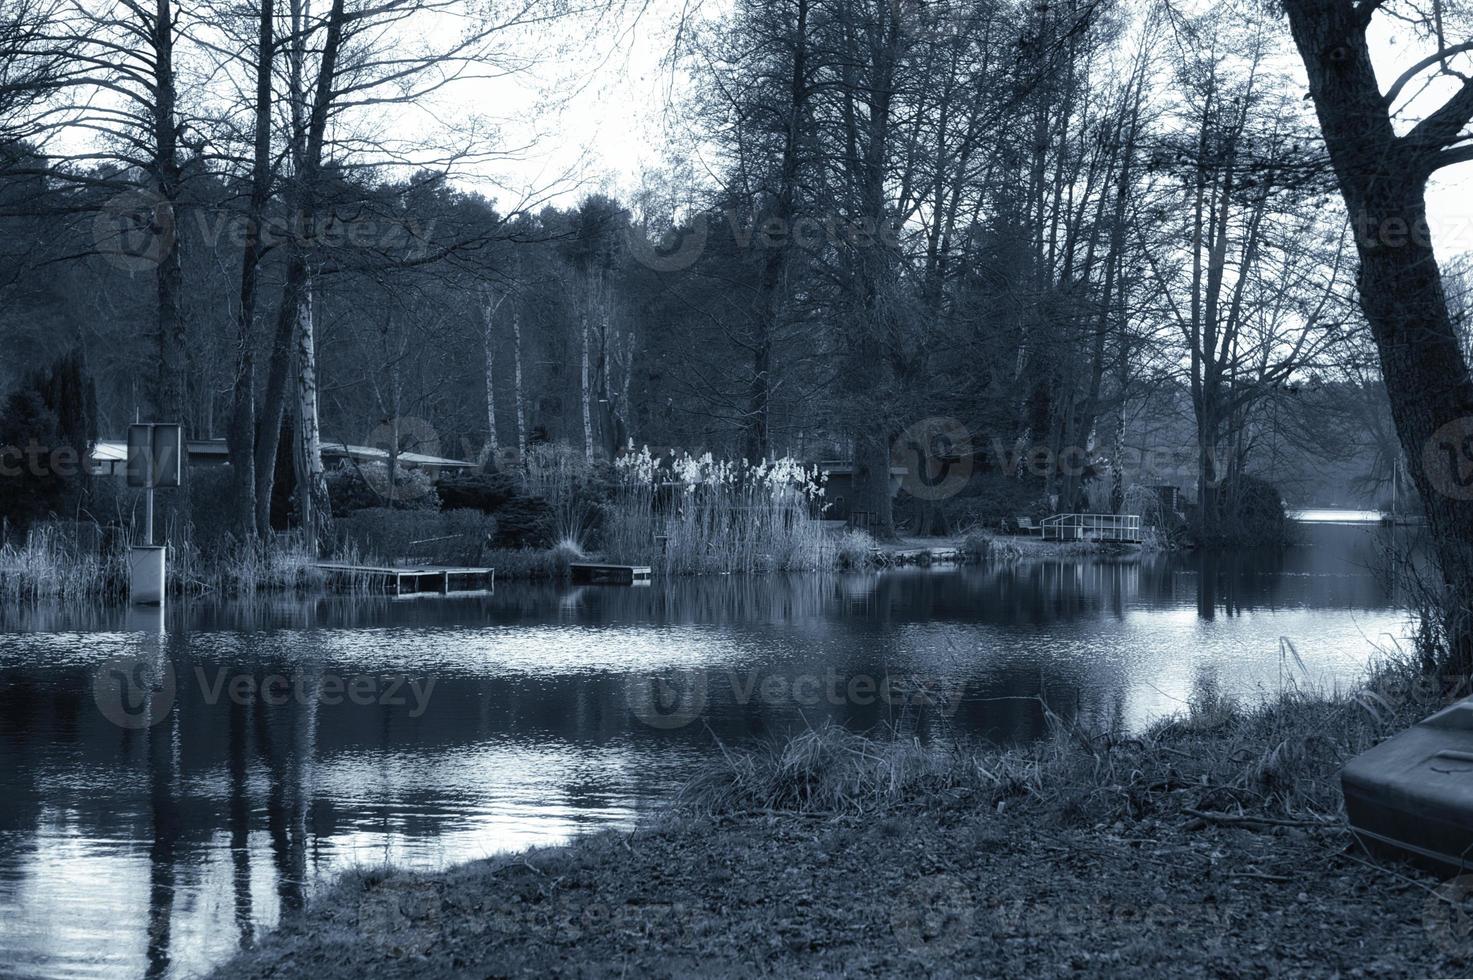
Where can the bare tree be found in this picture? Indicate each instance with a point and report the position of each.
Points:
(1383, 178)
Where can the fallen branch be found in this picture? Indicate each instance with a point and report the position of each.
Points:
(1230, 818)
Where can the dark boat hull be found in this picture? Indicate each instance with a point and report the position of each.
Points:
(1412, 795)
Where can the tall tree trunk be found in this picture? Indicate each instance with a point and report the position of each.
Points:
(775, 262)
(488, 348)
(241, 436)
(516, 340)
(309, 129)
(170, 399)
(585, 391)
(312, 501)
(1383, 177)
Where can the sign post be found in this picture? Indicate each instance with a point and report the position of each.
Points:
(154, 460)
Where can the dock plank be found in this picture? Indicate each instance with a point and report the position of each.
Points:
(601, 573)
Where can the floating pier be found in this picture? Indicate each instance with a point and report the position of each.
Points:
(594, 573)
(917, 556)
(418, 580)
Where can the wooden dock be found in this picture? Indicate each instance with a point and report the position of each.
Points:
(917, 556)
(597, 573)
(412, 580)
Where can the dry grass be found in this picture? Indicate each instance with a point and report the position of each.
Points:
(62, 561)
(1279, 759)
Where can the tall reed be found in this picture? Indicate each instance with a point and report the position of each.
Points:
(700, 515)
(61, 560)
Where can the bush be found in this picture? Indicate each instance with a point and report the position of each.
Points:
(853, 549)
(527, 563)
(525, 522)
(46, 427)
(211, 506)
(485, 492)
(360, 486)
(991, 500)
(1251, 514)
(459, 537)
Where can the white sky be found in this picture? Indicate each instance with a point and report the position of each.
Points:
(602, 129)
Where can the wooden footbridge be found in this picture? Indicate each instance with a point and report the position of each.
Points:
(1124, 528)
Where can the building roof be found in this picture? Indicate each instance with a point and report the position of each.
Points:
(373, 454)
(116, 451)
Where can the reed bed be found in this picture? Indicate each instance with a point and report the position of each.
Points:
(699, 515)
(82, 560)
(61, 560)
(286, 563)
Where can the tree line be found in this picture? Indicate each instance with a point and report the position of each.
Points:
(1041, 220)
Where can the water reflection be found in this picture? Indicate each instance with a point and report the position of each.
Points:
(157, 850)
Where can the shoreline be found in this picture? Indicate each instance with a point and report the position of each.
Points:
(1211, 845)
(293, 574)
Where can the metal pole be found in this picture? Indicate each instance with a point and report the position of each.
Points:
(148, 520)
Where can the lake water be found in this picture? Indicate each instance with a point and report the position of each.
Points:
(291, 739)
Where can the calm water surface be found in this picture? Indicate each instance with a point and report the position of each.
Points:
(301, 737)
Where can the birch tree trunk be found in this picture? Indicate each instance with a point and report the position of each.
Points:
(312, 500)
(488, 347)
(587, 405)
(516, 339)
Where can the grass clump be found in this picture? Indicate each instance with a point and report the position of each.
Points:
(853, 549)
(1219, 760)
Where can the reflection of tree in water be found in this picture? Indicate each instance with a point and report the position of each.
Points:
(164, 791)
(311, 776)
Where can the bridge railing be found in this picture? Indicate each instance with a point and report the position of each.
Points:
(1096, 527)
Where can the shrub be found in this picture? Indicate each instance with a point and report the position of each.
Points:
(486, 492)
(359, 486)
(853, 549)
(525, 522)
(211, 506)
(527, 563)
(445, 537)
(1251, 514)
(46, 427)
(992, 500)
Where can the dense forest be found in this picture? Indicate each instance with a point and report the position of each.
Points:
(1097, 234)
